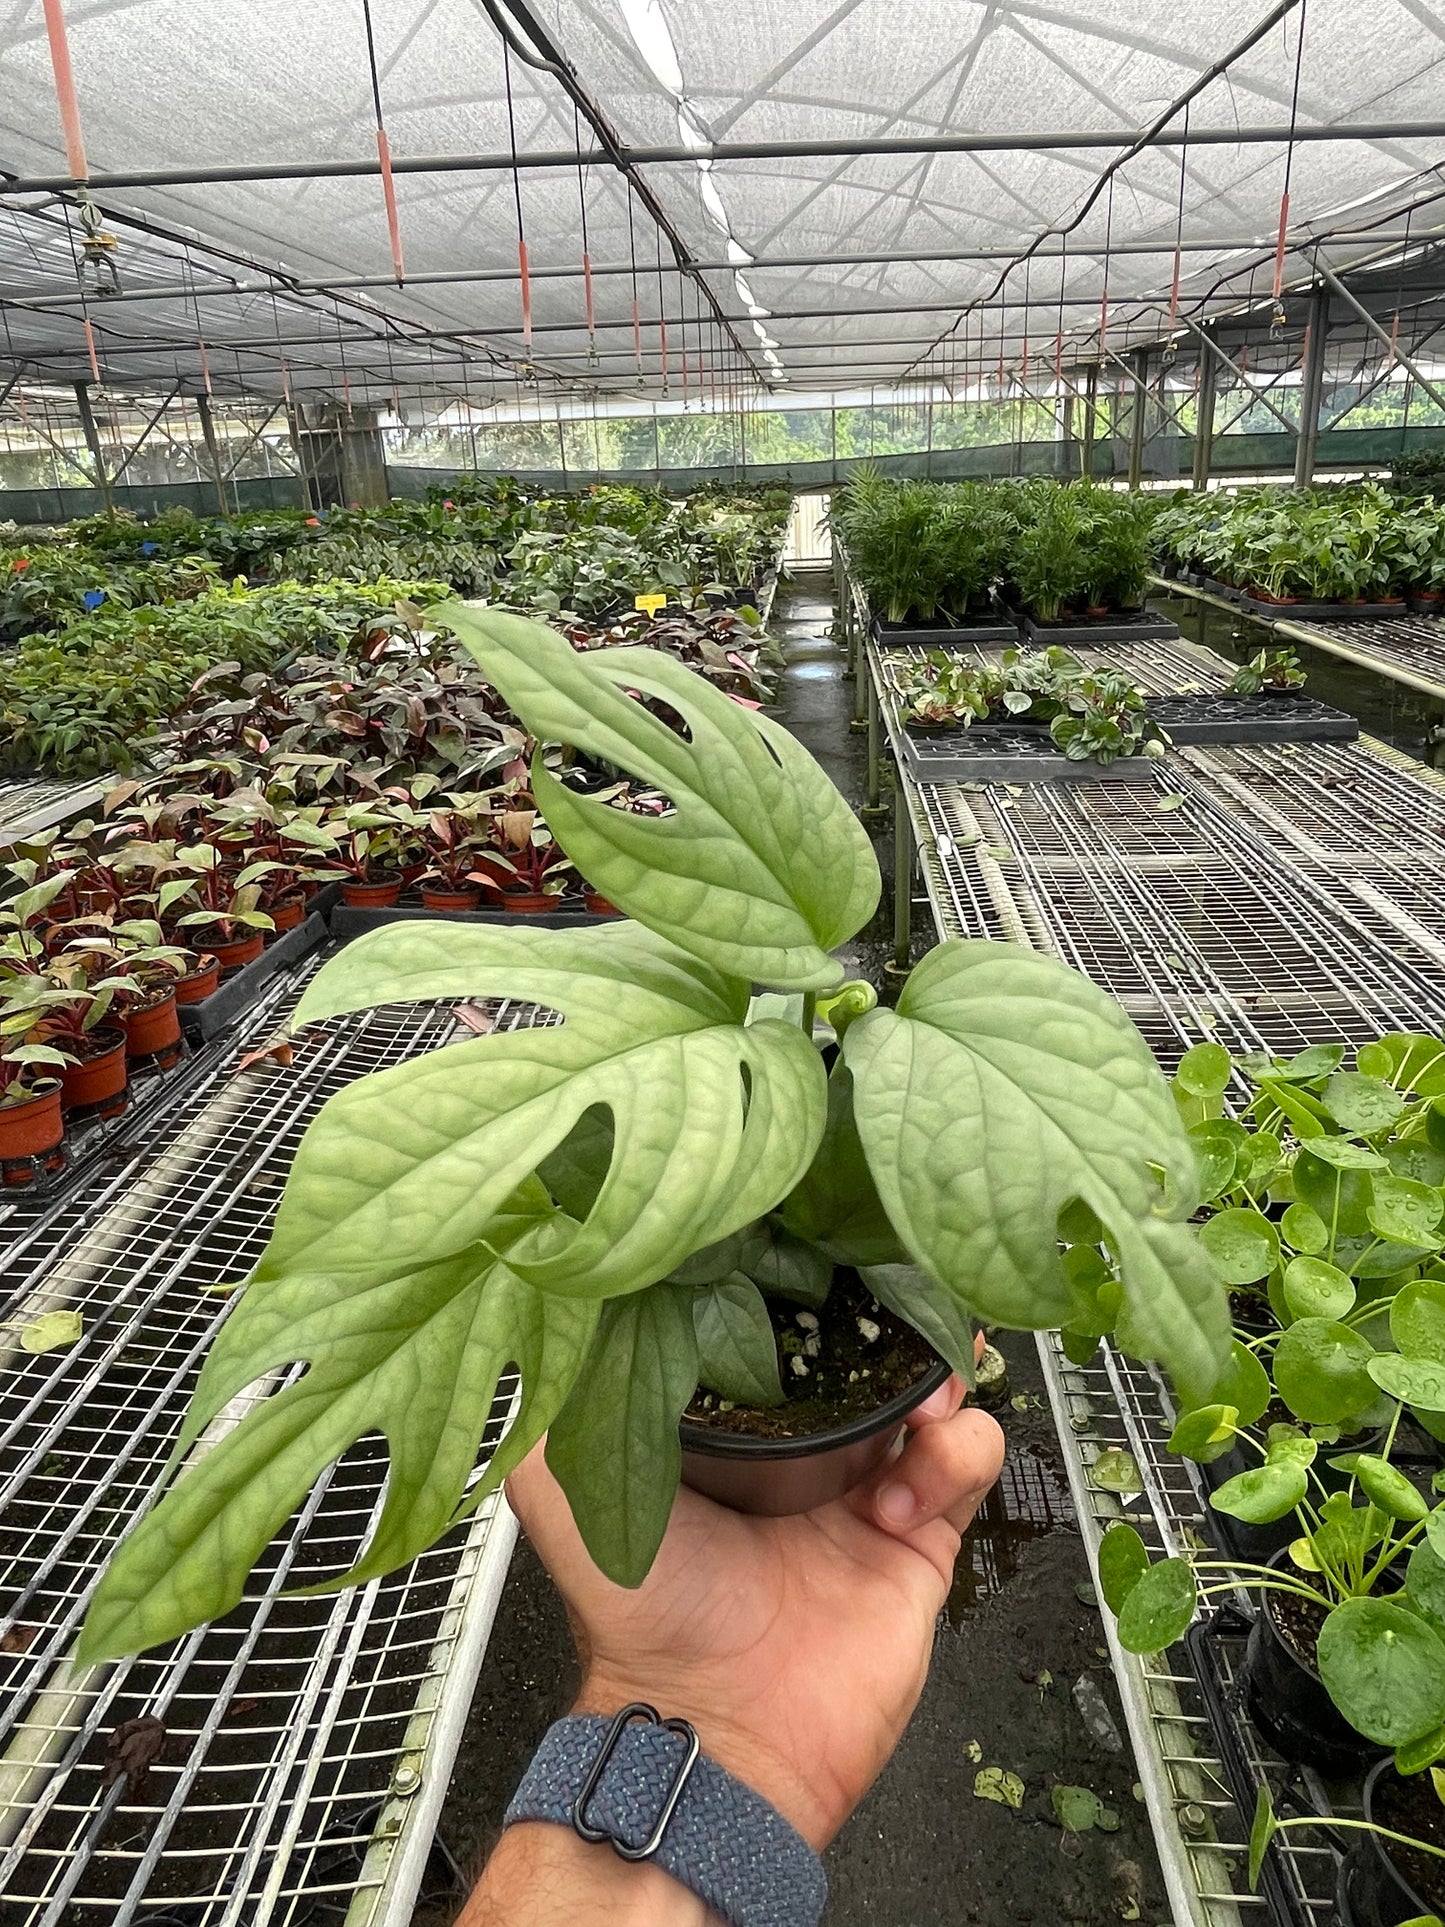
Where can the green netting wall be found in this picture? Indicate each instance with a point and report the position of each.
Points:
(147, 500)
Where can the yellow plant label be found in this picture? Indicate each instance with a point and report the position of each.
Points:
(651, 603)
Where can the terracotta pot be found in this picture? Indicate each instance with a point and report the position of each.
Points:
(600, 906)
(773, 1478)
(151, 1027)
(236, 951)
(31, 1129)
(529, 903)
(450, 900)
(288, 914)
(198, 984)
(371, 896)
(100, 1079)
(1096, 611)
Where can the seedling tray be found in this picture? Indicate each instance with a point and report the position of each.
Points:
(1144, 626)
(1318, 611)
(201, 1022)
(1208, 720)
(960, 635)
(349, 922)
(1004, 753)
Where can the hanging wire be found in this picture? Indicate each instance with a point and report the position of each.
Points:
(517, 197)
(383, 153)
(1279, 249)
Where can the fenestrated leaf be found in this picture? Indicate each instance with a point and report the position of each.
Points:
(737, 1352)
(1003, 1086)
(761, 868)
(836, 1206)
(614, 1446)
(1385, 1670)
(406, 1166)
(416, 1356)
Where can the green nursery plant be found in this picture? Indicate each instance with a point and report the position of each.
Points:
(604, 1202)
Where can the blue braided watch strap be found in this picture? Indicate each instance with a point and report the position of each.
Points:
(655, 1797)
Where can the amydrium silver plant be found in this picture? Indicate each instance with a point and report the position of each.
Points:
(601, 1201)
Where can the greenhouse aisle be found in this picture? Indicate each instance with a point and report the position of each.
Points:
(1020, 1678)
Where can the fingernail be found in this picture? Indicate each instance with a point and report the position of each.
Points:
(896, 1504)
(937, 1403)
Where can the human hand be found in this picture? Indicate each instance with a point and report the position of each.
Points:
(797, 1647)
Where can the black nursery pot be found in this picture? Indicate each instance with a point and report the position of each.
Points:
(1377, 1894)
(1288, 1701)
(772, 1478)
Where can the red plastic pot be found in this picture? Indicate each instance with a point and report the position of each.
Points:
(287, 915)
(529, 903)
(599, 906)
(151, 1027)
(31, 1129)
(371, 896)
(198, 984)
(449, 900)
(99, 1079)
(236, 951)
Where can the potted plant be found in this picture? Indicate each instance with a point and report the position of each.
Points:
(375, 840)
(68, 1004)
(31, 1125)
(135, 954)
(458, 828)
(523, 865)
(637, 1204)
(1275, 671)
(226, 918)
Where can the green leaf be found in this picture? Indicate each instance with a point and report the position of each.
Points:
(931, 1308)
(1159, 1608)
(1123, 1562)
(1389, 1489)
(1261, 1832)
(1416, 1755)
(1362, 1104)
(1416, 1063)
(417, 1356)
(1413, 1158)
(1314, 1289)
(1265, 1493)
(1205, 1434)
(737, 1353)
(1078, 1809)
(1244, 1384)
(1417, 1319)
(1384, 1668)
(52, 1331)
(1416, 1381)
(1217, 1148)
(1407, 1212)
(712, 1119)
(1425, 1584)
(836, 1205)
(996, 1783)
(1116, 1471)
(760, 869)
(1204, 1070)
(1304, 1229)
(1308, 1065)
(787, 1267)
(1079, 1347)
(1243, 1244)
(1322, 1371)
(1002, 1087)
(614, 1447)
(1299, 1109)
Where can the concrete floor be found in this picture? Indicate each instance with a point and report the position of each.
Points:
(1017, 1637)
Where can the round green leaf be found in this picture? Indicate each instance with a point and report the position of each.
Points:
(1243, 1244)
(1205, 1434)
(1123, 1562)
(1416, 1381)
(1267, 1493)
(1304, 1229)
(1344, 1154)
(1216, 1148)
(1417, 1319)
(1204, 1070)
(1159, 1608)
(1244, 1384)
(1406, 1211)
(1259, 1160)
(1389, 1489)
(1384, 1668)
(1315, 1062)
(1288, 1445)
(1321, 1371)
(1116, 1471)
(1425, 1583)
(1314, 1289)
(52, 1331)
(1414, 1158)
(1362, 1104)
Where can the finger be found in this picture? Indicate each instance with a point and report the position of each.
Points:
(941, 1404)
(944, 1472)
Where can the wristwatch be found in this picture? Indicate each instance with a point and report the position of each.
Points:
(644, 1784)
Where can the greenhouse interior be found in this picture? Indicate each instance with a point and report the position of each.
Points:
(773, 679)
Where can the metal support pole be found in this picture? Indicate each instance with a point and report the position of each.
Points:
(902, 879)
(1312, 384)
(1091, 413)
(1219, 355)
(92, 442)
(1204, 421)
(1138, 419)
(213, 449)
(874, 805)
(1380, 334)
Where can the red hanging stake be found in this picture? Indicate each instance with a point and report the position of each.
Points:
(388, 195)
(90, 350)
(205, 365)
(65, 89)
(1279, 245)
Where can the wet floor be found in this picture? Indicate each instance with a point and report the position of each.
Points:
(1010, 1650)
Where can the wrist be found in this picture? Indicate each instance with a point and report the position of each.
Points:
(545, 1876)
(810, 1808)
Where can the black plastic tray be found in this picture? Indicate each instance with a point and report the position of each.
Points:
(962, 635)
(998, 753)
(1320, 611)
(347, 921)
(1267, 718)
(1145, 626)
(201, 1022)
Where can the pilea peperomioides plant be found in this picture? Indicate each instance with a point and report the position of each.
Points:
(598, 1202)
